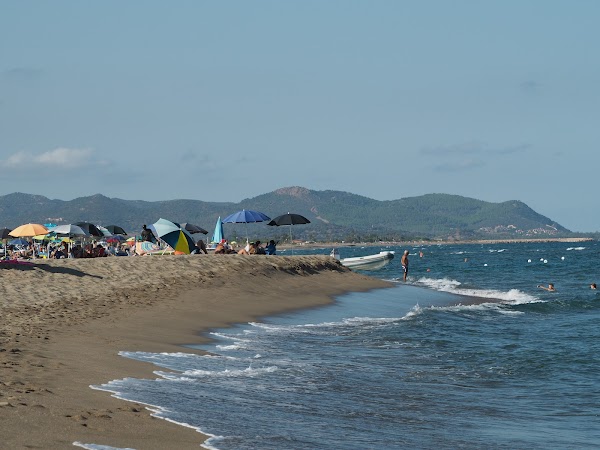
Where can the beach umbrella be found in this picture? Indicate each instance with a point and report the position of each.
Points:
(29, 230)
(18, 241)
(90, 229)
(174, 235)
(70, 230)
(246, 216)
(104, 231)
(116, 238)
(289, 220)
(115, 229)
(218, 233)
(4, 236)
(193, 229)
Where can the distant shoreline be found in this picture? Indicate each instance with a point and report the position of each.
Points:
(426, 243)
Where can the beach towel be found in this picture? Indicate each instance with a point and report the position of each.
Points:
(149, 248)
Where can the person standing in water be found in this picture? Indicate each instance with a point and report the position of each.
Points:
(404, 262)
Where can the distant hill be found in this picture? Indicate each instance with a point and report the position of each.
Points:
(335, 215)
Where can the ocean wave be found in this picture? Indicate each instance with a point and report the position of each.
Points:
(99, 447)
(512, 296)
(576, 248)
(193, 375)
(311, 327)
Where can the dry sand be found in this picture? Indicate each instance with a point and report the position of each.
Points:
(62, 324)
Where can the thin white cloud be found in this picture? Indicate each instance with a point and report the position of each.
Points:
(472, 148)
(59, 158)
(459, 166)
(21, 74)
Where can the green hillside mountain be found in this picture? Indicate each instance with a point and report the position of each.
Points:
(334, 215)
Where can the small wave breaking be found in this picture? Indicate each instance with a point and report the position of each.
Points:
(512, 296)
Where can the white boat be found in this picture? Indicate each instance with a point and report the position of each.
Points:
(368, 262)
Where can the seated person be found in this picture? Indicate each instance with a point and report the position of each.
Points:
(200, 248)
(271, 248)
(99, 251)
(259, 249)
(223, 248)
(57, 254)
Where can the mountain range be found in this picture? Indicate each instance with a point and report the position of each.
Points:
(334, 215)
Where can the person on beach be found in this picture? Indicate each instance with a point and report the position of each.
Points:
(550, 287)
(223, 248)
(260, 250)
(200, 248)
(271, 248)
(147, 234)
(404, 262)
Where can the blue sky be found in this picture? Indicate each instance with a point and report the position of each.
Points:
(222, 101)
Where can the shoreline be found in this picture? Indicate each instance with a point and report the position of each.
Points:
(425, 243)
(64, 322)
(332, 245)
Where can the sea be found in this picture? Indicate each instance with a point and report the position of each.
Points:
(467, 353)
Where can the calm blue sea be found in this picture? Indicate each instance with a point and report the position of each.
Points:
(469, 353)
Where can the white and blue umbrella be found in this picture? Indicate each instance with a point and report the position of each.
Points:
(174, 235)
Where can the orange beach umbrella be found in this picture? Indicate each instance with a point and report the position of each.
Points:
(29, 230)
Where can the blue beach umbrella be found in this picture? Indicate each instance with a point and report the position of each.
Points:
(246, 216)
(18, 241)
(174, 235)
(218, 233)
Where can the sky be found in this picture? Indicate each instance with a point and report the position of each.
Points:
(224, 101)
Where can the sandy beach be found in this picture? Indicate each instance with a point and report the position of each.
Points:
(64, 322)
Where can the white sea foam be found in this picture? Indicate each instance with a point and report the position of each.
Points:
(226, 348)
(415, 311)
(231, 337)
(157, 356)
(311, 327)
(512, 296)
(99, 447)
(576, 248)
(193, 375)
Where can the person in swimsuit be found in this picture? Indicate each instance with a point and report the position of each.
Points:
(404, 262)
(549, 288)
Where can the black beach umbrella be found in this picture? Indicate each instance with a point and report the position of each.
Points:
(90, 229)
(289, 219)
(193, 229)
(115, 229)
(4, 236)
(4, 233)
